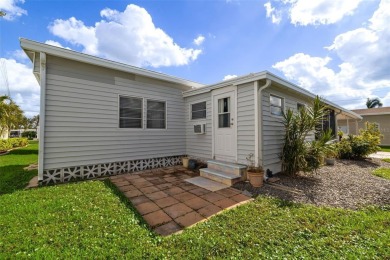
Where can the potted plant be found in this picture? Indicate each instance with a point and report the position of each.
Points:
(185, 161)
(330, 153)
(255, 173)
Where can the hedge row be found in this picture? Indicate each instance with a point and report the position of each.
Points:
(10, 143)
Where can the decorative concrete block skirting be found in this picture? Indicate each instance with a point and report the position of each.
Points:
(82, 172)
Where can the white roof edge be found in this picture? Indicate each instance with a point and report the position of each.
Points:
(29, 45)
(375, 114)
(265, 75)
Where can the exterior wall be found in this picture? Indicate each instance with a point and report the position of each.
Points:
(273, 130)
(245, 122)
(355, 125)
(348, 127)
(81, 124)
(384, 125)
(198, 145)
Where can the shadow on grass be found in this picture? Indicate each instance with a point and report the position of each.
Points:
(14, 178)
(25, 151)
(126, 202)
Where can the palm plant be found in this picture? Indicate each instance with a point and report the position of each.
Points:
(372, 103)
(297, 126)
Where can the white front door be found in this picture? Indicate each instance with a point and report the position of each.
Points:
(225, 141)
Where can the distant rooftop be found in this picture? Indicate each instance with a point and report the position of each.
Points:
(372, 111)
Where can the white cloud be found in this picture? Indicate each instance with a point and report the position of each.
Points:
(271, 12)
(23, 86)
(309, 12)
(56, 44)
(227, 77)
(11, 9)
(129, 36)
(199, 40)
(364, 68)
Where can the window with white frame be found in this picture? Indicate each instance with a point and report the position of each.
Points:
(130, 112)
(300, 106)
(276, 105)
(198, 110)
(155, 116)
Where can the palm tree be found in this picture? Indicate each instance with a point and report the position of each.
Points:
(372, 103)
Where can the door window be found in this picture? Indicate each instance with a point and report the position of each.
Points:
(224, 112)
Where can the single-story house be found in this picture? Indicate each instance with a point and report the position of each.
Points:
(100, 117)
(379, 116)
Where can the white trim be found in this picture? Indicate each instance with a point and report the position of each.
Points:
(265, 75)
(146, 117)
(283, 105)
(236, 119)
(142, 114)
(42, 115)
(190, 110)
(29, 45)
(216, 92)
(256, 107)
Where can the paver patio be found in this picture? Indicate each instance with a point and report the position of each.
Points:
(168, 203)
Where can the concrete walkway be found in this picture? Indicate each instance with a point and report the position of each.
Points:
(380, 155)
(168, 203)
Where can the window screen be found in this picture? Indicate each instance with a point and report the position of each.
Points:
(130, 112)
(198, 110)
(156, 114)
(276, 105)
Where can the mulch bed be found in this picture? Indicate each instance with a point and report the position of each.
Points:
(347, 184)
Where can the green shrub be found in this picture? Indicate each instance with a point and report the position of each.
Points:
(29, 134)
(297, 154)
(362, 145)
(8, 144)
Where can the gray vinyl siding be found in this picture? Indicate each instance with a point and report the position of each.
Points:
(245, 121)
(81, 125)
(198, 146)
(273, 130)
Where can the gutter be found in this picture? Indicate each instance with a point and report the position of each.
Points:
(259, 123)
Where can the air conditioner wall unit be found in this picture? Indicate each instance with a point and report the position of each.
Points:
(200, 129)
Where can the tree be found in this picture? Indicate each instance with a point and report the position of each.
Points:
(372, 103)
(11, 116)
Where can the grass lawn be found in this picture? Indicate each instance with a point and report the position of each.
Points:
(91, 219)
(88, 219)
(382, 172)
(385, 148)
(12, 175)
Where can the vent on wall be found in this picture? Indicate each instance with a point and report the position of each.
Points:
(199, 129)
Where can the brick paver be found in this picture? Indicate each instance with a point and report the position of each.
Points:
(177, 210)
(157, 218)
(168, 203)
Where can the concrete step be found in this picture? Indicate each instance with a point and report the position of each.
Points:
(219, 176)
(233, 168)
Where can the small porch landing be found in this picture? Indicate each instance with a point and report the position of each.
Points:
(224, 172)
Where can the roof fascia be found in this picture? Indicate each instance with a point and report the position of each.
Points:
(29, 45)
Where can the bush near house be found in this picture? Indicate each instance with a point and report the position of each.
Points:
(8, 144)
(362, 145)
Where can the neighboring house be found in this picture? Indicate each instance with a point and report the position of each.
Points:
(100, 117)
(19, 132)
(380, 116)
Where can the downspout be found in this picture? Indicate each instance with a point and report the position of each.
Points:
(42, 112)
(259, 121)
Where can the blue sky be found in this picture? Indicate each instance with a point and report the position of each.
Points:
(337, 49)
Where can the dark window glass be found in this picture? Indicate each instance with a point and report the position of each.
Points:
(224, 112)
(130, 112)
(198, 110)
(276, 105)
(156, 111)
